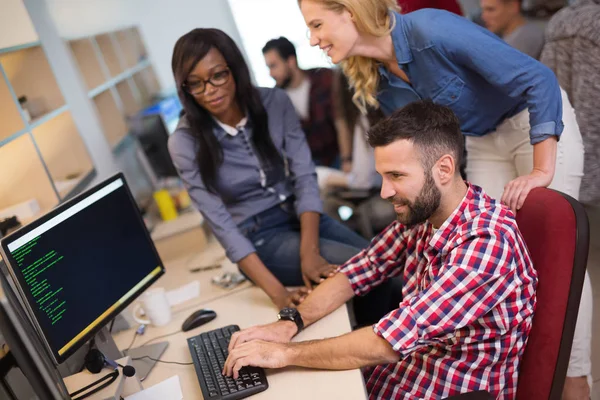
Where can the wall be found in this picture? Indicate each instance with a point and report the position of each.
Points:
(161, 23)
(15, 25)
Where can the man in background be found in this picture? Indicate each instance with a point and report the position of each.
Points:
(505, 19)
(312, 94)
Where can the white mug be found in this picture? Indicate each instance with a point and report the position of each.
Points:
(156, 307)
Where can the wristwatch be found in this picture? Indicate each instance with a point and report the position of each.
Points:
(291, 314)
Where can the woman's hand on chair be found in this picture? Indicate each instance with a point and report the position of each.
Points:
(516, 191)
(315, 269)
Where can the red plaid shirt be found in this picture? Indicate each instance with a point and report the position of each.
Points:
(468, 302)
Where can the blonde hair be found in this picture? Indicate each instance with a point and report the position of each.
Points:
(373, 18)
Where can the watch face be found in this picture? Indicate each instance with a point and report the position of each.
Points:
(288, 312)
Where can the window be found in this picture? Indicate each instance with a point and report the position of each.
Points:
(259, 21)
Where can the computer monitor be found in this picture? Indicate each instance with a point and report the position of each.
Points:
(151, 132)
(26, 348)
(81, 264)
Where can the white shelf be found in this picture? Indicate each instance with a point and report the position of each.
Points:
(119, 78)
(130, 104)
(109, 54)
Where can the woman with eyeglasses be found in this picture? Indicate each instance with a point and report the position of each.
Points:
(244, 160)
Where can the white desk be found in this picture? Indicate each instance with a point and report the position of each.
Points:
(247, 306)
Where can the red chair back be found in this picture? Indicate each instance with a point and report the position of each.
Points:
(556, 231)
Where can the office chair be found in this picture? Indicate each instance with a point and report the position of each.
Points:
(556, 231)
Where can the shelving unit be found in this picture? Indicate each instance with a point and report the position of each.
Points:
(55, 139)
(147, 84)
(23, 175)
(42, 156)
(120, 79)
(11, 119)
(125, 89)
(109, 54)
(30, 75)
(88, 61)
(113, 124)
(132, 46)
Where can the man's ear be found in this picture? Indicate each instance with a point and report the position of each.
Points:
(292, 62)
(445, 168)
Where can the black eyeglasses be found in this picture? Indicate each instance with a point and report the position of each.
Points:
(198, 87)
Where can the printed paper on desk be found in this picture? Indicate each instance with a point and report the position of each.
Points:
(183, 293)
(169, 389)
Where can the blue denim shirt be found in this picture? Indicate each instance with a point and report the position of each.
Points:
(458, 64)
(244, 188)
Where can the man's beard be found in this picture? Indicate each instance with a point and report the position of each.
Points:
(286, 82)
(423, 207)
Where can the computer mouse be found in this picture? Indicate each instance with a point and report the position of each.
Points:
(197, 319)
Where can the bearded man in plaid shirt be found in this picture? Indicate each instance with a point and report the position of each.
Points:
(469, 283)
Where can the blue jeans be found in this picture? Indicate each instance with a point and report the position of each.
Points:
(275, 234)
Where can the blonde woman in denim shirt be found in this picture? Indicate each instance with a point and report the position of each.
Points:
(521, 132)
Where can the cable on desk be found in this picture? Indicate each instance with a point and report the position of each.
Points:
(164, 362)
(135, 335)
(160, 337)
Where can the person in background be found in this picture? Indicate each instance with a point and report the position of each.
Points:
(372, 213)
(520, 128)
(407, 6)
(469, 281)
(362, 173)
(231, 149)
(572, 51)
(505, 18)
(311, 92)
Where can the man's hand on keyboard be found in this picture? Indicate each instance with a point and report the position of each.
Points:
(278, 332)
(256, 353)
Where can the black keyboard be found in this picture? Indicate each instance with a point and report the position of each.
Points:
(209, 352)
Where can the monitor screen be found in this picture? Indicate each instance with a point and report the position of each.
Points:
(81, 264)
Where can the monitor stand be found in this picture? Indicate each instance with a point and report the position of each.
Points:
(139, 355)
(104, 342)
